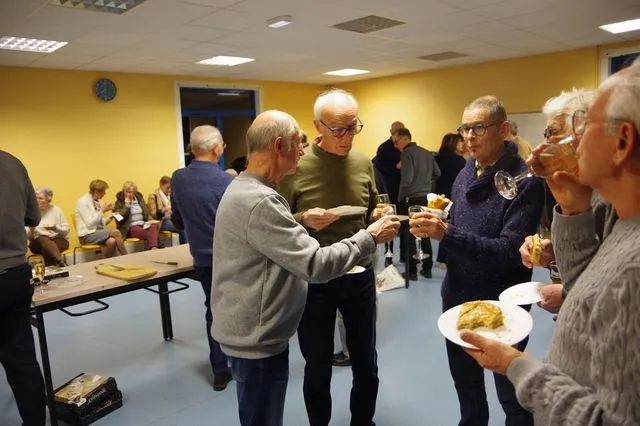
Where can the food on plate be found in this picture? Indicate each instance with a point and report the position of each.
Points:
(536, 249)
(477, 314)
(439, 203)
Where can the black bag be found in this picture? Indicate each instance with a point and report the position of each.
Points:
(86, 398)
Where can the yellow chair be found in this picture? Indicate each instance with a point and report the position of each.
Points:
(82, 247)
(166, 234)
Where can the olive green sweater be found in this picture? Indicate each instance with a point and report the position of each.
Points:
(326, 180)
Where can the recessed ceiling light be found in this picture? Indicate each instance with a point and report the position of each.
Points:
(279, 22)
(347, 72)
(226, 61)
(30, 44)
(622, 27)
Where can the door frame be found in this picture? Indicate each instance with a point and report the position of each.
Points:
(178, 84)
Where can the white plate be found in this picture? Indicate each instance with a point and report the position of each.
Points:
(442, 214)
(522, 294)
(517, 325)
(356, 270)
(348, 210)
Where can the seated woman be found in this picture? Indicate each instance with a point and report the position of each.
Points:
(159, 205)
(50, 238)
(135, 215)
(91, 225)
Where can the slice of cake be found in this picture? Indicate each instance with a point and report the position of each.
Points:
(477, 314)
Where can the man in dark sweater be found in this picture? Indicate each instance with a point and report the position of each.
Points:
(481, 242)
(417, 175)
(196, 193)
(18, 208)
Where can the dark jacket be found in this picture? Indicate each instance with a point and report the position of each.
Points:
(486, 231)
(450, 165)
(387, 158)
(418, 174)
(123, 209)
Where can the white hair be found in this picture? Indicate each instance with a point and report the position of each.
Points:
(203, 138)
(333, 98)
(260, 136)
(568, 103)
(46, 192)
(624, 101)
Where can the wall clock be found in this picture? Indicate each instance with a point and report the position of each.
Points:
(106, 89)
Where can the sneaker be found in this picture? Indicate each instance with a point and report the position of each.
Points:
(413, 276)
(220, 380)
(341, 360)
(426, 273)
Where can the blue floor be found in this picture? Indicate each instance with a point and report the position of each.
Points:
(170, 383)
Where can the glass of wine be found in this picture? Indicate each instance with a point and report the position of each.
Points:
(555, 157)
(420, 255)
(39, 271)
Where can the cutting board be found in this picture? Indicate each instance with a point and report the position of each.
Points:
(125, 272)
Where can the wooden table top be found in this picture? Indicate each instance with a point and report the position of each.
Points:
(85, 280)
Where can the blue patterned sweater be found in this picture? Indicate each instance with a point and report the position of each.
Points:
(481, 246)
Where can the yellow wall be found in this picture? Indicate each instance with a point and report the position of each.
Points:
(430, 103)
(53, 122)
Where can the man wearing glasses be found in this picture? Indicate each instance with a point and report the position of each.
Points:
(481, 242)
(330, 174)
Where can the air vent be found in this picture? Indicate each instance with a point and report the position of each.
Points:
(443, 56)
(117, 7)
(368, 24)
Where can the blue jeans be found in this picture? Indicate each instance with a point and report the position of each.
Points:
(167, 225)
(355, 296)
(261, 387)
(217, 358)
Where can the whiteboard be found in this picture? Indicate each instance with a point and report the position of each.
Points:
(530, 126)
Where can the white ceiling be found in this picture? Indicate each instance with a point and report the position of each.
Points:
(169, 36)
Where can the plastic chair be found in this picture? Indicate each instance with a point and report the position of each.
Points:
(82, 247)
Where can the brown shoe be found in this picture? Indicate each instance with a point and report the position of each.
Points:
(220, 380)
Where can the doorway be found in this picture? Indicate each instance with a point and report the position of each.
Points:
(230, 109)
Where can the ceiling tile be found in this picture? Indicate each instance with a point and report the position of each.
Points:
(510, 8)
(229, 20)
(109, 38)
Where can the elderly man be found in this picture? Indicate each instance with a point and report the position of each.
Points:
(196, 193)
(524, 147)
(592, 372)
(481, 241)
(330, 175)
(418, 174)
(18, 208)
(263, 257)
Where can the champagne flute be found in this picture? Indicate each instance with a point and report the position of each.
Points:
(555, 157)
(383, 204)
(413, 210)
(39, 271)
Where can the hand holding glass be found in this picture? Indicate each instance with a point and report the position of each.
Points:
(419, 254)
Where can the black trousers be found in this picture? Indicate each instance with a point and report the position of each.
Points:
(217, 358)
(468, 378)
(425, 243)
(17, 349)
(354, 295)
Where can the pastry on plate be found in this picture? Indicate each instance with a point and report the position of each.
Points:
(478, 314)
(439, 203)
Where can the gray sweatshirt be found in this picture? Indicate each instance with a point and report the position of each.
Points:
(262, 260)
(592, 372)
(418, 172)
(576, 239)
(18, 208)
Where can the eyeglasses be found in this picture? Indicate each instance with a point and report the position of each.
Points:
(479, 129)
(550, 131)
(339, 132)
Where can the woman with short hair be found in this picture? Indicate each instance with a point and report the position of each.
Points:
(51, 237)
(135, 216)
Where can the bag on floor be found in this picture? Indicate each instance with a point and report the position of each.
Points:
(389, 279)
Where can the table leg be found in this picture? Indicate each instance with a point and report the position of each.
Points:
(165, 311)
(46, 366)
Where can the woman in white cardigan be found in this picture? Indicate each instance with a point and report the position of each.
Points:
(51, 237)
(91, 225)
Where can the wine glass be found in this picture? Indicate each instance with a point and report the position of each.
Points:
(419, 254)
(555, 157)
(39, 270)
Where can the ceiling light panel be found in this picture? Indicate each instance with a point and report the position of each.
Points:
(117, 7)
(346, 72)
(622, 27)
(226, 61)
(30, 44)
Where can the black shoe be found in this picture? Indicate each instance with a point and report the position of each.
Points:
(413, 276)
(426, 273)
(388, 261)
(220, 380)
(341, 360)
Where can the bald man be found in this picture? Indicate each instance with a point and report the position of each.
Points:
(196, 191)
(263, 260)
